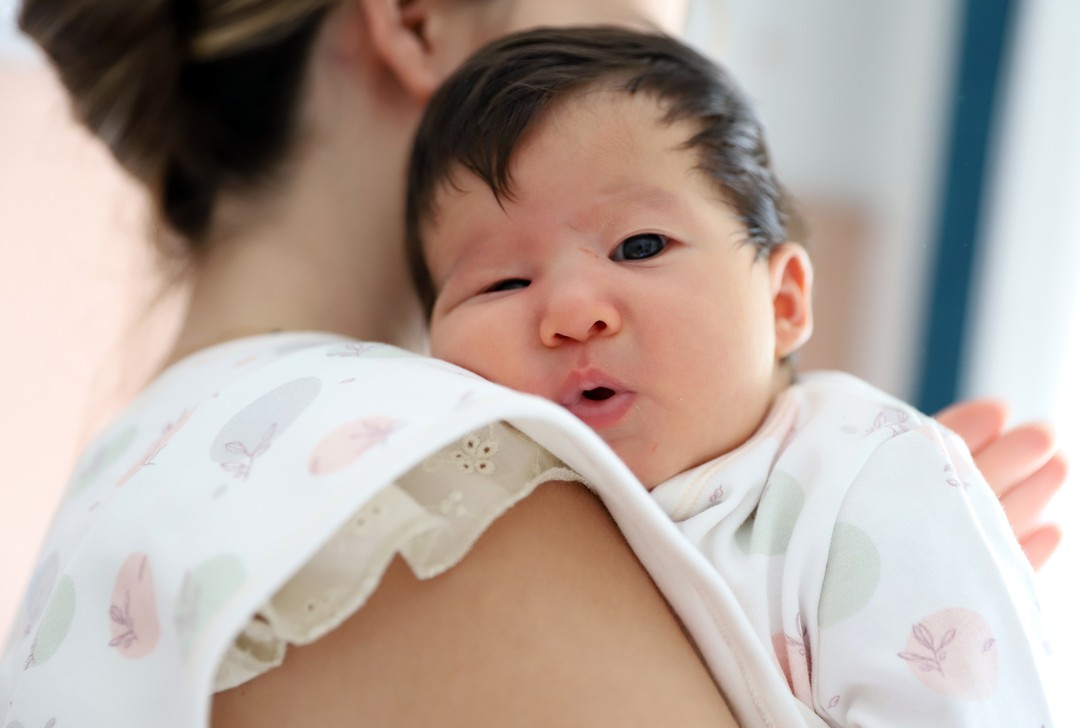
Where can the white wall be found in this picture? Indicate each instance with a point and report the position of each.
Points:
(1025, 341)
(12, 45)
(1027, 287)
(853, 94)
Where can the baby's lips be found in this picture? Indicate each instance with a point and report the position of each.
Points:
(587, 380)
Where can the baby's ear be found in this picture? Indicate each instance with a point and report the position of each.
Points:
(791, 278)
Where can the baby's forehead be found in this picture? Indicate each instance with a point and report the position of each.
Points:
(470, 225)
(607, 102)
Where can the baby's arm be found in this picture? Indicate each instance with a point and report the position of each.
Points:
(927, 614)
(1022, 466)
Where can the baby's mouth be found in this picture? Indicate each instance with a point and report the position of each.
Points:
(600, 407)
(599, 394)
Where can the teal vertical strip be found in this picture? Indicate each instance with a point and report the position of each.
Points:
(985, 42)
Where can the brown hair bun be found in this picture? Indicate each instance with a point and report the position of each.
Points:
(191, 97)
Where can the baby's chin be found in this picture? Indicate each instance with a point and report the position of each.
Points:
(653, 470)
(651, 474)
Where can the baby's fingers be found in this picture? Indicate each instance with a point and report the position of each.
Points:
(977, 422)
(1025, 501)
(1017, 455)
(1041, 544)
(1022, 466)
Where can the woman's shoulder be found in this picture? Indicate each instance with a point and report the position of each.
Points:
(234, 468)
(241, 467)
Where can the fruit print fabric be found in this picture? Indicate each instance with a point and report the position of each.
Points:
(871, 562)
(168, 432)
(344, 445)
(851, 577)
(954, 652)
(204, 590)
(250, 433)
(133, 614)
(55, 623)
(769, 530)
(232, 471)
(104, 456)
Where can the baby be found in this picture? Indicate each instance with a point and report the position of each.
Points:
(593, 218)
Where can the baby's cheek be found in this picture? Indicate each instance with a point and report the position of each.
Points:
(449, 341)
(474, 348)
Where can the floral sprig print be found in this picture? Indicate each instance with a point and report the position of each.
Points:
(893, 420)
(123, 617)
(187, 604)
(802, 642)
(951, 478)
(167, 432)
(934, 661)
(351, 350)
(241, 467)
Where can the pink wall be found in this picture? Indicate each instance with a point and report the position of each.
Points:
(74, 286)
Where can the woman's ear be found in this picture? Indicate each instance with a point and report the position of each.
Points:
(398, 31)
(791, 278)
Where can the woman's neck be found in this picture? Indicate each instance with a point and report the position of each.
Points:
(257, 286)
(325, 252)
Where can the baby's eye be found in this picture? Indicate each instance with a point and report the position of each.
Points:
(639, 247)
(510, 284)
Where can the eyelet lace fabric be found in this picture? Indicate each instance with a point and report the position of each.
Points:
(431, 516)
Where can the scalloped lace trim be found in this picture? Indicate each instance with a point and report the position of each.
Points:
(431, 516)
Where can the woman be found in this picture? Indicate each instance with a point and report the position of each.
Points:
(272, 134)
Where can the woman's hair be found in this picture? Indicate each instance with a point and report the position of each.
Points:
(478, 118)
(192, 97)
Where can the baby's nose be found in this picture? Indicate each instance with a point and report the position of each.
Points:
(579, 314)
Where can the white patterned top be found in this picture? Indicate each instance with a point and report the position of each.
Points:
(873, 562)
(252, 496)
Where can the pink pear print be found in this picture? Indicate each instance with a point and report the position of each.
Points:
(158, 445)
(133, 616)
(953, 652)
(347, 443)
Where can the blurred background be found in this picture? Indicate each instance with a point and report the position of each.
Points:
(934, 144)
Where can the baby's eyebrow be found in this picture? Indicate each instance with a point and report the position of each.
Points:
(649, 197)
(609, 209)
(467, 258)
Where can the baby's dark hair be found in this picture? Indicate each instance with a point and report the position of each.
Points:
(479, 117)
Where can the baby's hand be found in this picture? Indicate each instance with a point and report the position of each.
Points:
(1023, 466)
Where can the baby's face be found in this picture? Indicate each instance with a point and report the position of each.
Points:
(615, 283)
